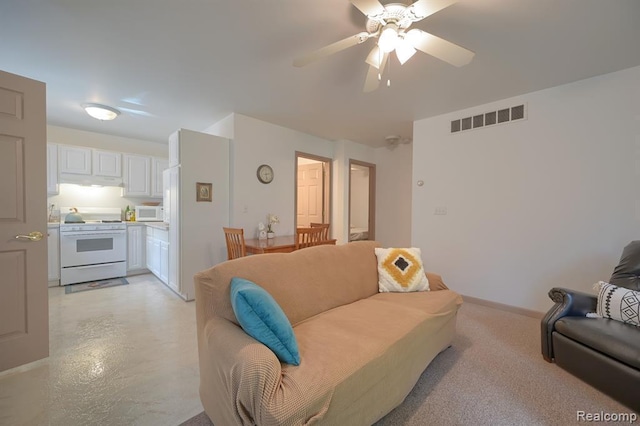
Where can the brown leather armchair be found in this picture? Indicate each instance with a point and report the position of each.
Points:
(604, 353)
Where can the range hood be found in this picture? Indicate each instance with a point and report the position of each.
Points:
(90, 180)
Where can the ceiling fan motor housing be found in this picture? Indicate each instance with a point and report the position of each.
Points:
(395, 13)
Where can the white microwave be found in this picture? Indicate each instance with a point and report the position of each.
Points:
(149, 214)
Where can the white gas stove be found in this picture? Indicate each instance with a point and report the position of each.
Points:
(94, 248)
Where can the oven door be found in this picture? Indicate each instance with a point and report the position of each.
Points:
(79, 248)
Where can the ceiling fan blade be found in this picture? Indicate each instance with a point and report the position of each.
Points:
(440, 48)
(369, 7)
(424, 8)
(371, 83)
(331, 49)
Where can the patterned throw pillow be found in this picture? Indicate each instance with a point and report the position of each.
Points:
(400, 270)
(618, 303)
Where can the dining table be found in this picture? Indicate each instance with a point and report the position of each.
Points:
(278, 244)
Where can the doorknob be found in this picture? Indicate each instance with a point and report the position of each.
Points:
(33, 236)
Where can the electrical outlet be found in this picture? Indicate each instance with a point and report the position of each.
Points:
(440, 210)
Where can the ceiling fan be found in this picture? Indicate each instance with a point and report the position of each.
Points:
(390, 25)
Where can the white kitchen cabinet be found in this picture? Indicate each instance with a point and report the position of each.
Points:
(143, 176)
(152, 259)
(74, 159)
(158, 165)
(164, 262)
(137, 176)
(107, 163)
(52, 169)
(53, 247)
(136, 247)
(158, 253)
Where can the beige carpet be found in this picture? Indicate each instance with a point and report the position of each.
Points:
(493, 375)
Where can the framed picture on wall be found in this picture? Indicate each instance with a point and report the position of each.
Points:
(204, 192)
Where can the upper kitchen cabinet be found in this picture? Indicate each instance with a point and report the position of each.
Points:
(137, 175)
(143, 176)
(107, 163)
(88, 166)
(158, 165)
(74, 159)
(52, 169)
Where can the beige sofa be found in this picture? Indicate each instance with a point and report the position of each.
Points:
(361, 351)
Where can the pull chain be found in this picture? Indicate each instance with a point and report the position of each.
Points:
(389, 73)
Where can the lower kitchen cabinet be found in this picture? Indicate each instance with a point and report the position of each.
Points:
(136, 248)
(158, 253)
(53, 247)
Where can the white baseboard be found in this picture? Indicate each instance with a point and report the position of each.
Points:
(503, 307)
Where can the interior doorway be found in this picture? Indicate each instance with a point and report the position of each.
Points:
(313, 190)
(362, 200)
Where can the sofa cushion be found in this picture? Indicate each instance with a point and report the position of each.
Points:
(400, 270)
(262, 318)
(618, 303)
(613, 338)
(372, 346)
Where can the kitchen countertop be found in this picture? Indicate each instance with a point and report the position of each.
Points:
(158, 225)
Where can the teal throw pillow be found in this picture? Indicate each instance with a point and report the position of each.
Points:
(263, 319)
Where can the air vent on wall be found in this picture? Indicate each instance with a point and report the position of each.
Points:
(501, 116)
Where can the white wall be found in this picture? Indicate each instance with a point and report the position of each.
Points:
(223, 128)
(257, 142)
(549, 201)
(393, 187)
(203, 158)
(66, 136)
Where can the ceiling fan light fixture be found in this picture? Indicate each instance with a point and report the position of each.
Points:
(413, 37)
(101, 112)
(404, 50)
(388, 38)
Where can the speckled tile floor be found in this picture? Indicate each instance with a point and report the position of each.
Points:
(123, 355)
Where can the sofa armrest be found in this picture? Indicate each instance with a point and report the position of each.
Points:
(435, 282)
(236, 374)
(567, 303)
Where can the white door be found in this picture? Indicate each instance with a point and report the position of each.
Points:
(24, 308)
(310, 194)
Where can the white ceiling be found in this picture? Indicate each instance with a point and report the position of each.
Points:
(190, 63)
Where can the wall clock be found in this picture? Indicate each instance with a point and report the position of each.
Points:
(265, 173)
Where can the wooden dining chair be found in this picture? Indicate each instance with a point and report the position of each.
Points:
(235, 242)
(307, 237)
(325, 229)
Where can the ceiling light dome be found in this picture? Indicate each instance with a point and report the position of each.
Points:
(388, 38)
(101, 112)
